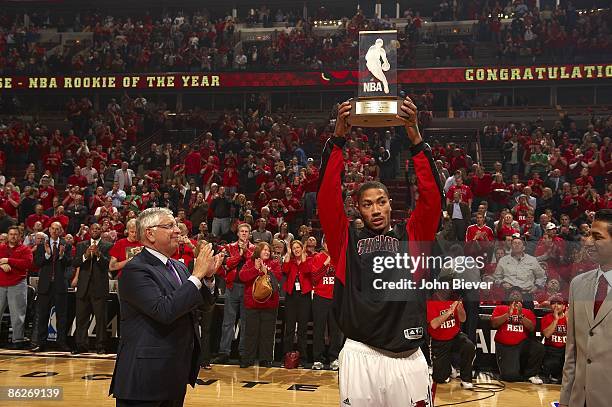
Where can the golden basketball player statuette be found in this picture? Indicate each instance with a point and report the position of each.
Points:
(377, 103)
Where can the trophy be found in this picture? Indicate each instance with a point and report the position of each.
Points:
(377, 103)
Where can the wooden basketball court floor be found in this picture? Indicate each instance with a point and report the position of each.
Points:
(84, 380)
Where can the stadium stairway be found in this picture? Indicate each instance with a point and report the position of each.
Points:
(489, 156)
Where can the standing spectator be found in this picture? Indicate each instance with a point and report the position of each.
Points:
(221, 208)
(10, 200)
(459, 212)
(58, 216)
(124, 250)
(261, 234)
(238, 254)
(91, 174)
(310, 187)
(77, 214)
(513, 152)
(5, 221)
(92, 259)
(53, 257)
(193, 164)
(323, 278)
(479, 237)
(481, 186)
(46, 192)
(260, 316)
(117, 195)
(298, 303)
(124, 177)
(465, 192)
(15, 261)
(37, 216)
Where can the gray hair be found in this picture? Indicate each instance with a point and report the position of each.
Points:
(149, 218)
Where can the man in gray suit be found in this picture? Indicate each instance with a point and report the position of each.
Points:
(125, 177)
(588, 352)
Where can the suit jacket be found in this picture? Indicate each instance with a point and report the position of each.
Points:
(93, 273)
(53, 265)
(465, 211)
(159, 348)
(588, 358)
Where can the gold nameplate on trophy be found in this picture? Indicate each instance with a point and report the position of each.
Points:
(376, 107)
(377, 103)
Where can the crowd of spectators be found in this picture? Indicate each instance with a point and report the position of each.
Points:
(251, 178)
(197, 41)
(545, 193)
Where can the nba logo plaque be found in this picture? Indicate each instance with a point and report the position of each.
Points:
(377, 103)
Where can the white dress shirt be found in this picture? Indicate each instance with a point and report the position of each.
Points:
(51, 243)
(91, 243)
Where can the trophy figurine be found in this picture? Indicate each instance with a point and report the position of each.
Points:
(377, 103)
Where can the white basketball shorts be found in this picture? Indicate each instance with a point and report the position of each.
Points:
(374, 377)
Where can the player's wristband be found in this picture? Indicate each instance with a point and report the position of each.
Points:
(339, 141)
(414, 150)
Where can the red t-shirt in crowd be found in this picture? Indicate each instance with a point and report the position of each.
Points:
(512, 332)
(33, 218)
(482, 186)
(484, 229)
(323, 277)
(466, 193)
(7, 205)
(184, 253)
(45, 196)
(557, 339)
(449, 328)
(122, 250)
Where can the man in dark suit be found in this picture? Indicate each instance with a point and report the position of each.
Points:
(53, 258)
(159, 349)
(459, 212)
(92, 259)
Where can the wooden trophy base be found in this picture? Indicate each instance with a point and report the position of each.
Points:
(376, 112)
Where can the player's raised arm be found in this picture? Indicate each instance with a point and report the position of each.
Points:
(424, 220)
(329, 197)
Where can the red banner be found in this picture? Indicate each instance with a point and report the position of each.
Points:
(207, 81)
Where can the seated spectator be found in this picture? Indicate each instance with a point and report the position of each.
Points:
(520, 270)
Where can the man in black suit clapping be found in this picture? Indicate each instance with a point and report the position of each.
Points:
(159, 349)
(52, 256)
(92, 259)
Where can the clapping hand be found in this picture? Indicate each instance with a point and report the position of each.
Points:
(512, 308)
(5, 267)
(519, 308)
(206, 264)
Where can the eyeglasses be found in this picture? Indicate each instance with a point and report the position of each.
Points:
(167, 226)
